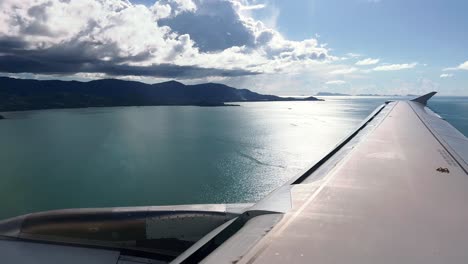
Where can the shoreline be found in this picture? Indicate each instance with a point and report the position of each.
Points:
(227, 104)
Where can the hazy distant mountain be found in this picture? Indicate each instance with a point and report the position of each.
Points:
(331, 94)
(19, 94)
(370, 95)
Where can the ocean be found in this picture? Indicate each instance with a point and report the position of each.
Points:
(162, 155)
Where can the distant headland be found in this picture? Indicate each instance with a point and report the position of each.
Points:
(22, 94)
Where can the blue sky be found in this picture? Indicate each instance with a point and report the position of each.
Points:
(272, 46)
(430, 32)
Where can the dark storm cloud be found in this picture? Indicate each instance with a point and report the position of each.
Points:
(30, 51)
(12, 43)
(81, 57)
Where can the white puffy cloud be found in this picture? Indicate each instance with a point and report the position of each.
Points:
(344, 71)
(161, 10)
(172, 38)
(463, 66)
(353, 55)
(368, 61)
(251, 7)
(446, 75)
(184, 5)
(395, 67)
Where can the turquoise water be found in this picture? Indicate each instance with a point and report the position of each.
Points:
(130, 156)
(454, 110)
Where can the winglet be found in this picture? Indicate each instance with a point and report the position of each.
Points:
(423, 99)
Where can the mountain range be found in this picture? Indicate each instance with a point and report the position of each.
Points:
(23, 94)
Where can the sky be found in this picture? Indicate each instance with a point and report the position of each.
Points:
(297, 47)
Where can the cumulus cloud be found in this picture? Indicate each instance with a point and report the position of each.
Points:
(344, 71)
(335, 82)
(172, 38)
(446, 75)
(353, 55)
(252, 7)
(463, 66)
(395, 67)
(215, 26)
(184, 5)
(368, 61)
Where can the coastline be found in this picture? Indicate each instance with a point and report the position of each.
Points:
(222, 104)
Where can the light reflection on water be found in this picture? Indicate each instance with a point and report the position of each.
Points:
(131, 156)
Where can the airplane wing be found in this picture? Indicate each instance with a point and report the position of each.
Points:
(395, 190)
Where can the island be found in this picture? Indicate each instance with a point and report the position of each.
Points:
(1, 117)
(331, 94)
(24, 94)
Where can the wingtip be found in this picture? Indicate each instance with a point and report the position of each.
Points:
(423, 99)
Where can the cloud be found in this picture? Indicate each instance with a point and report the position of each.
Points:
(368, 61)
(215, 26)
(32, 65)
(344, 71)
(182, 5)
(353, 55)
(446, 75)
(463, 66)
(395, 67)
(252, 7)
(170, 39)
(335, 82)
